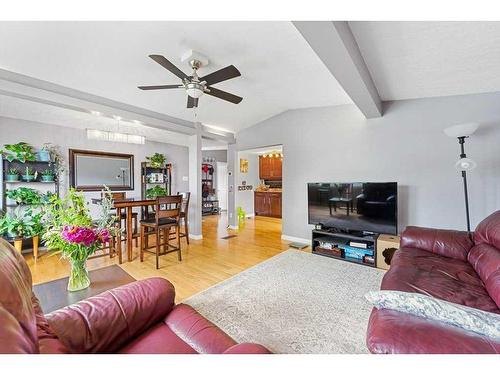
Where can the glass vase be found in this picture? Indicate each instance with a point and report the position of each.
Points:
(79, 276)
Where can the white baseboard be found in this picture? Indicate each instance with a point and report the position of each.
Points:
(195, 236)
(233, 227)
(250, 215)
(295, 239)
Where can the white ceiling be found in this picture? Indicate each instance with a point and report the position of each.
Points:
(109, 59)
(425, 59)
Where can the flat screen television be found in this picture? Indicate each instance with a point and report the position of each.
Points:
(355, 206)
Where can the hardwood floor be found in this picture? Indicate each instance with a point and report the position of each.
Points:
(204, 262)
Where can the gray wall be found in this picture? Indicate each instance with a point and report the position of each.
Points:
(14, 130)
(406, 145)
(245, 199)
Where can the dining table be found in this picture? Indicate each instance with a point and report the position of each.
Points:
(126, 205)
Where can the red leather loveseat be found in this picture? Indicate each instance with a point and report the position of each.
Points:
(449, 265)
(140, 317)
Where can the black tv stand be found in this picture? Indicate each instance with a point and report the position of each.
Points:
(335, 243)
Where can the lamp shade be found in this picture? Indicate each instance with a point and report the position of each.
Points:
(461, 130)
(465, 164)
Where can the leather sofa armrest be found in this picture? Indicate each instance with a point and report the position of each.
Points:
(394, 332)
(104, 323)
(448, 243)
(247, 348)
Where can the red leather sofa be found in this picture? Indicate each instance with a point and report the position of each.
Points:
(140, 317)
(450, 265)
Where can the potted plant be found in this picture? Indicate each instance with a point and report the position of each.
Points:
(29, 174)
(55, 157)
(157, 160)
(21, 151)
(155, 192)
(25, 196)
(48, 175)
(21, 225)
(12, 175)
(72, 233)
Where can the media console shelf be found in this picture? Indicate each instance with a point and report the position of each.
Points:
(338, 245)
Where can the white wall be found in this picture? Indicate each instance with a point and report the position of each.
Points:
(36, 134)
(406, 145)
(245, 199)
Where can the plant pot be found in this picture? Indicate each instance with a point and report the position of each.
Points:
(43, 155)
(18, 244)
(11, 177)
(79, 276)
(28, 178)
(47, 178)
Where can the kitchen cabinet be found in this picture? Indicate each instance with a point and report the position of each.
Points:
(267, 204)
(270, 168)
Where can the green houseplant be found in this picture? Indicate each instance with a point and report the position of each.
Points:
(48, 175)
(155, 192)
(29, 174)
(55, 157)
(25, 196)
(21, 151)
(12, 175)
(72, 232)
(157, 160)
(22, 224)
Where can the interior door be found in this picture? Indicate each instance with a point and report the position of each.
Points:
(222, 185)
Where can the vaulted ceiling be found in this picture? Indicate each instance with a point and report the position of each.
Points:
(281, 69)
(110, 59)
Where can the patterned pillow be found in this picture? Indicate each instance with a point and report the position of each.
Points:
(468, 318)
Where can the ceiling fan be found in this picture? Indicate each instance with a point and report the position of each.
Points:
(196, 86)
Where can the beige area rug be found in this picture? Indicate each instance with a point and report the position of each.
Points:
(295, 302)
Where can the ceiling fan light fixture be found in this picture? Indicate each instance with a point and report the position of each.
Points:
(194, 89)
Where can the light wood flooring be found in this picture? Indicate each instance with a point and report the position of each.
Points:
(204, 262)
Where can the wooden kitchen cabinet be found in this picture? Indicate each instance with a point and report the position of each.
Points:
(267, 204)
(270, 168)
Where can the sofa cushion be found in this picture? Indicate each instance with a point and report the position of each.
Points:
(488, 231)
(449, 243)
(18, 332)
(391, 331)
(417, 304)
(419, 271)
(159, 339)
(200, 333)
(485, 259)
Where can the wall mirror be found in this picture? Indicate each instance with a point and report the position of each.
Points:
(91, 170)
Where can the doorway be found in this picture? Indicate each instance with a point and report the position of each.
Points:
(222, 185)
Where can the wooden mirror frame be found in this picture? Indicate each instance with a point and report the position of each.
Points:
(73, 154)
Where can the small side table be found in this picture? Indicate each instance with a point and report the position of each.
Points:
(53, 294)
(388, 244)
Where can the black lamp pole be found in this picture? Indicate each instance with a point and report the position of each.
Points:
(461, 141)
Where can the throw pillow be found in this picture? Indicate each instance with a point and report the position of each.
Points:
(478, 321)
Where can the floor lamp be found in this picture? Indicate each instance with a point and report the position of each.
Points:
(464, 164)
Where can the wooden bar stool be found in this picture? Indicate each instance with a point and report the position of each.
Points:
(117, 196)
(167, 217)
(184, 214)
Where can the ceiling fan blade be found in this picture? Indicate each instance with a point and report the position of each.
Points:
(162, 60)
(221, 75)
(192, 102)
(160, 87)
(224, 95)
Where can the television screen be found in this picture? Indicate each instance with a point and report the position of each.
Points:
(360, 206)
